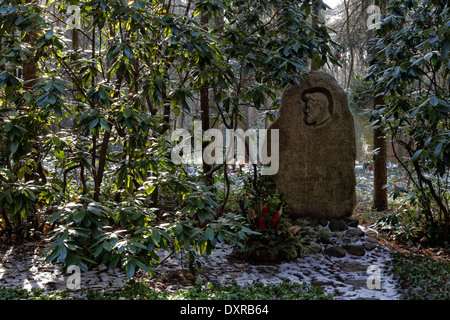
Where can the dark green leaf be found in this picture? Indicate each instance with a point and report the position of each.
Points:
(209, 234)
(156, 236)
(14, 146)
(104, 125)
(416, 155)
(98, 251)
(62, 252)
(49, 35)
(80, 215)
(126, 113)
(114, 262)
(93, 123)
(8, 127)
(438, 149)
(130, 269)
(143, 266)
(107, 246)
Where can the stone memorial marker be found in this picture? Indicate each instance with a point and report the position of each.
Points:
(317, 149)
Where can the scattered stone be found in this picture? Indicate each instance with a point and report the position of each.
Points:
(369, 246)
(372, 233)
(355, 250)
(423, 241)
(337, 225)
(357, 283)
(317, 149)
(335, 251)
(372, 239)
(313, 249)
(323, 222)
(351, 221)
(356, 232)
(352, 266)
(324, 240)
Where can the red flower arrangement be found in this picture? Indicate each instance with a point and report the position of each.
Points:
(264, 211)
(261, 224)
(275, 219)
(264, 214)
(275, 236)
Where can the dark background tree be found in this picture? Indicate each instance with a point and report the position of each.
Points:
(410, 69)
(380, 199)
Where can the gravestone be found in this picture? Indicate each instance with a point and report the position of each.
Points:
(317, 149)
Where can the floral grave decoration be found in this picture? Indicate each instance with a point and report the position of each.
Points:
(277, 238)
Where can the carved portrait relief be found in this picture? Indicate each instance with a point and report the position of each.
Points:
(317, 109)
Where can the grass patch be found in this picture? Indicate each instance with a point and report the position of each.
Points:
(422, 278)
(135, 290)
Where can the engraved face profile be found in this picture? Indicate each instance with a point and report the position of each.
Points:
(316, 110)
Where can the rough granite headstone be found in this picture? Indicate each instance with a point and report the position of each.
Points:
(317, 149)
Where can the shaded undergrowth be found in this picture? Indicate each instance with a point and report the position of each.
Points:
(135, 290)
(421, 277)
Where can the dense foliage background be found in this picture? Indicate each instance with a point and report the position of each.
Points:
(87, 107)
(86, 114)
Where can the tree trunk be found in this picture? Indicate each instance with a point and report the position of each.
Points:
(204, 107)
(380, 202)
(75, 39)
(29, 67)
(349, 44)
(101, 165)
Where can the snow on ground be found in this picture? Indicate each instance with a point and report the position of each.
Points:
(346, 278)
(23, 266)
